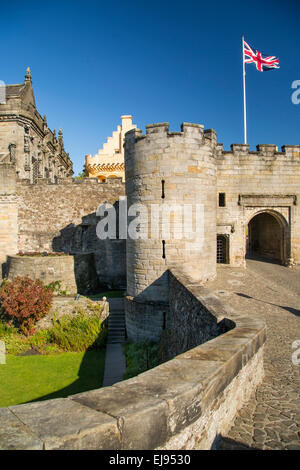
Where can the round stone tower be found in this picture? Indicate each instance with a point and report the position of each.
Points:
(171, 197)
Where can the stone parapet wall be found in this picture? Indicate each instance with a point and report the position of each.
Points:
(144, 320)
(185, 403)
(194, 316)
(45, 268)
(76, 273)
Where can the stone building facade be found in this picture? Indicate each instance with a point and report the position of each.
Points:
(258, 203)
(109, 161)
(25, 138)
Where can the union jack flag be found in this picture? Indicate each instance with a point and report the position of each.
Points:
(263, 63)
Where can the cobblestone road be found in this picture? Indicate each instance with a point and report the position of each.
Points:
(271, 419)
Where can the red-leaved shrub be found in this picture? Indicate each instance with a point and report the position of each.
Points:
(27, 301)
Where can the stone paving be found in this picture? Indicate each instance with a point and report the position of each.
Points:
(271, 419)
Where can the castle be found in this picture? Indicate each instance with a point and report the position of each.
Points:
(109, 161)
(249, 203)
(240, 192)
(250, 199)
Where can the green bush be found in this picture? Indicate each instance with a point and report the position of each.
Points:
(55, 287)
(78, 333)
(40, 339)
(6, 329)
(140, 357)
(15, 343)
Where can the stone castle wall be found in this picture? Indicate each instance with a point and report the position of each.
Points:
(261, 181)
(8, 213)
(50, 213)
(174, 169)
(46, 269)
(61, 217)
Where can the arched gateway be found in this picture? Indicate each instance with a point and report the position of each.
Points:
(267, 236)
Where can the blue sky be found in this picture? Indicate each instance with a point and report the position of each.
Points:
(161, 61)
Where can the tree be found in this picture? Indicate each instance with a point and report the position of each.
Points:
(81, 175)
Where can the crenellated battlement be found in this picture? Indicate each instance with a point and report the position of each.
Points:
(190, 132)
(159, 128)
(268, 150)
(198, 134)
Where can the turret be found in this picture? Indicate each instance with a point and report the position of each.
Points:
(173, 176)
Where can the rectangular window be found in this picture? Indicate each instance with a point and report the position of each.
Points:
(222, 249)
(162, 189)
(222, 200)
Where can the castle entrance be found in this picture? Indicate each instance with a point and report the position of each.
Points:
(265, 237)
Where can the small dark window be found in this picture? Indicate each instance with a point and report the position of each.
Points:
(164, 249)
(222, 200)
(162, 189)
(222, 249)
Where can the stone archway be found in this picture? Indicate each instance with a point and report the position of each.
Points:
(266, 237)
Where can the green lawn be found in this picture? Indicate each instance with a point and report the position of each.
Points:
(31, 378)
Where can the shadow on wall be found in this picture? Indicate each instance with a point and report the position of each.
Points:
(147, 313)
(97, 263)
(179, 321)
(3, 270)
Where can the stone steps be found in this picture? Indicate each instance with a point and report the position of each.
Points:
(116, 325)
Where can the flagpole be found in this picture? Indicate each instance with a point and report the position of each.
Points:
(244, 93)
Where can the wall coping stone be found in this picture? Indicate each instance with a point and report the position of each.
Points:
(117, 181)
